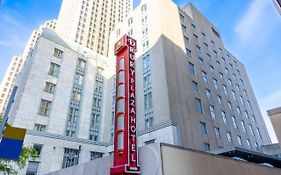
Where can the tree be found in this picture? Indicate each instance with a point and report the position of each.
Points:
(10, 167)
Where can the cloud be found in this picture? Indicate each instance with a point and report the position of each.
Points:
(256, 24)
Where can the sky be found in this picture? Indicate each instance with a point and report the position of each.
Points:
(251, 30)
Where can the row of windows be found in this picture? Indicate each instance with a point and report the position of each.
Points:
(217, 132)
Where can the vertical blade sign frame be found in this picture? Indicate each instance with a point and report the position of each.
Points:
(125, 136)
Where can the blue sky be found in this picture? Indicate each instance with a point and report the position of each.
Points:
(251, 31)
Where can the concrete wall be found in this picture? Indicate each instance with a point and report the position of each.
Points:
(156, 159)
(275, 117)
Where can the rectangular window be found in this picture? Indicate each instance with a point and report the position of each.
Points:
(148, 123)
(198, 49)
(212, 112)
(58, 53)
(147, 80)
(146, 63)
(186, 40)
(208, 93)
(207, 147)
(188, 53)
(246, 114)
(70, 157)
(195, 37)
(219, 99)
(45, 107)
(223, 114)
(217, 133)
(215, 83)
(225, 90)
(201, 61)
(195, 86)
(204, 76)
(192, 69)
(184, 28)
(251, 129)
(229, 105)
(243, 126)
(50, 87)
(40, 128)
(234, 122)
(54, 70)
(241, 100)
(38, 148)
(259, 133)
(239, 140)
(95, 155)
(198, 105)
(238, 110)
(228, 135)
(148, 101)
(203, 128)
(233, 95)
(249, 143)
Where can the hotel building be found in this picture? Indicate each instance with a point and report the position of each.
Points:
(190, 90)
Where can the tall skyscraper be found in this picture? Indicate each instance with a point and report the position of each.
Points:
(89, 22)
(8, 81)
(17, 62)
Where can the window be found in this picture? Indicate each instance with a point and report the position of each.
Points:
(195, 86)
(203, 35)
(215, 53)
(246, 114)
(243, 126)
(54, 70)
(219, 99)
(38, 148)
(184, 28)
(209, 56)
(146, 63)
(95, 155)
(237, 87)
(234, 122)
(249, 143)
(204, 76)
(238, 110)
(225, 90)
(217, 132)
(70, 157)
(146, 81)
(148, 101)
(45, 107)
(198, 105)
(221, 75)
(229, 81)
(233, 95)
(259, 133)
(198, 49)
(208, 93)
(223, 114)
(249, 104)
(207, 147)
(193, 27)
(148, 123)
(201, 61)
(188, 53)
(217, 34)
(228, 135)
(50, 87)
(78, 79)
(191, 69)
(239, 140)
(40, 128)
(203, 128)
(58, 53)
(245, 92)
(229, 105)
(254, 118)
(212, 68)
(195, 37)
(186, 40)
(251, 129)
(212, 112)
(143, 8)
(181, 17)
(206, 46)
(215, 81)
(241, 100)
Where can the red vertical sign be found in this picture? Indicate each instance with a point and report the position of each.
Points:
(125, 141)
